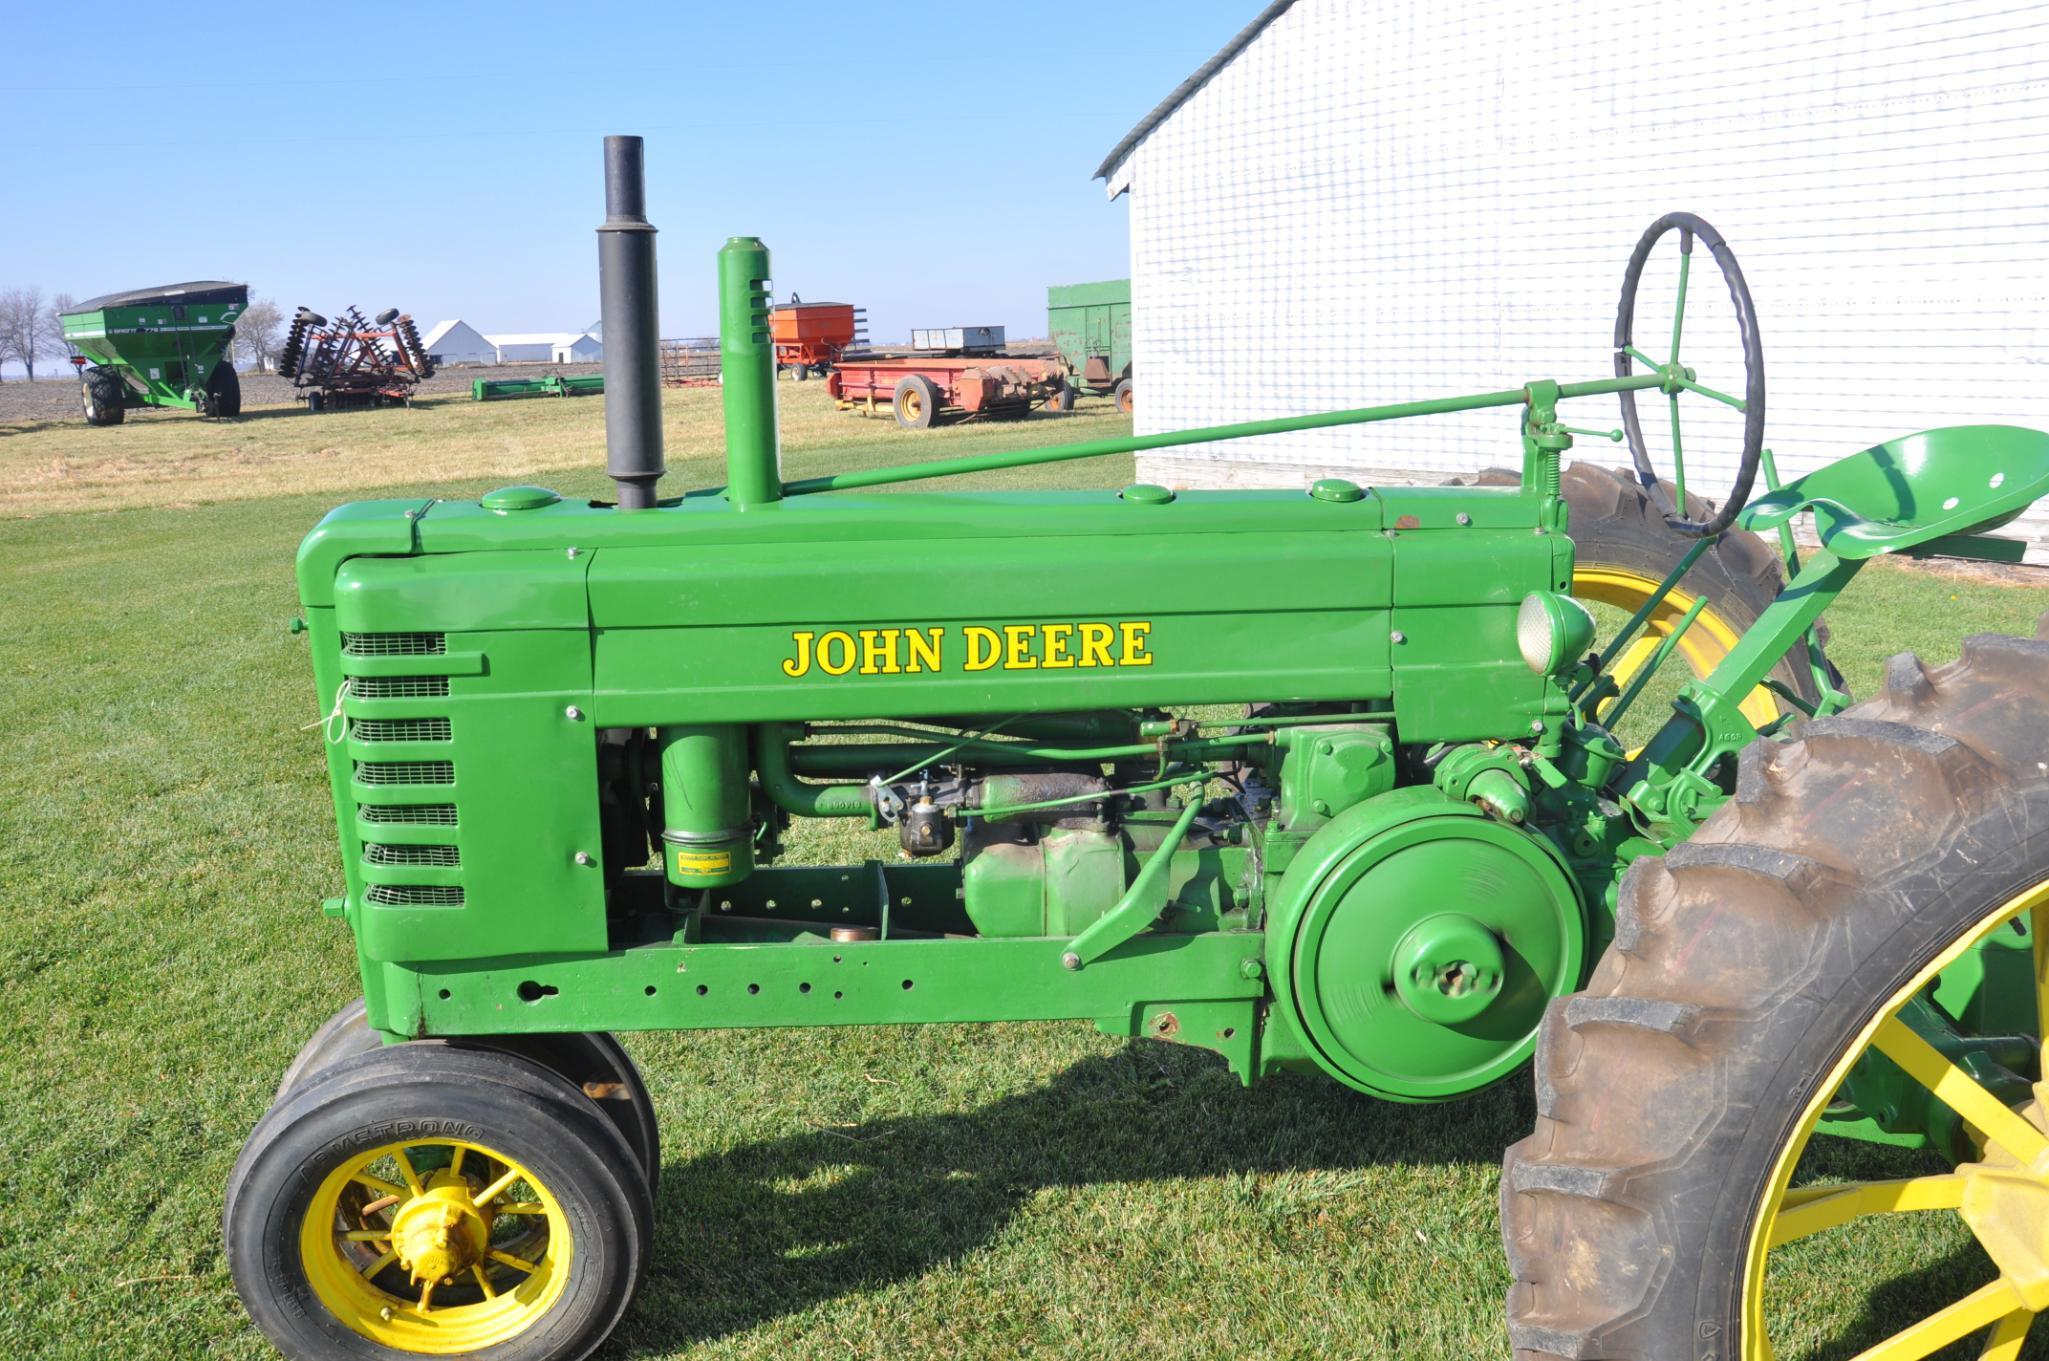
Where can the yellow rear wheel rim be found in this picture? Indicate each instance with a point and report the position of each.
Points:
(2003, 1197)
(435, 1246)
(1703, 647)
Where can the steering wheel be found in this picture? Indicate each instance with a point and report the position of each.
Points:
(1677, 378)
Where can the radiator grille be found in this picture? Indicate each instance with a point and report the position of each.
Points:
(394, 644)
(379, 853)
(415, 895)
(399, 729)
(409, 814)
(405, 772)
(398, 687)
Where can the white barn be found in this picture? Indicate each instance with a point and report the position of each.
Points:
(1357, 203)
(579, 349)
(456, 342)
(525, 347)
(548, 347)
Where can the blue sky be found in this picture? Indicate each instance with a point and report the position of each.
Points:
(930, 161)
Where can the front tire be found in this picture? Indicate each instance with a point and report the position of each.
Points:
(514, 1221)
(1752, 967)
(592, 1061)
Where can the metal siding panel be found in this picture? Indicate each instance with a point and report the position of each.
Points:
(1371, 204)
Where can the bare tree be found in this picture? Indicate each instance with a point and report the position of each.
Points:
(60, 303)
(24, 327)
(259, 331)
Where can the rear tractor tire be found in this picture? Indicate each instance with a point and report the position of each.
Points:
(1757, 971)
(102, 396)
(428, 1200)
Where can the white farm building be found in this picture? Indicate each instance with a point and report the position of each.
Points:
(456, 342)
(1359, 203)
(579, 349)
(548, 347)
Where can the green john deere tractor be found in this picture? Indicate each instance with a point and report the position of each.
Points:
(1324, 780)
(165, 346)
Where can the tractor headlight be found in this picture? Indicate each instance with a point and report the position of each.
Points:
(1552, 631)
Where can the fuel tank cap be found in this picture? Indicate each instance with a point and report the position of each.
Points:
(518, 498)
(1147, 494)
(1336, 489)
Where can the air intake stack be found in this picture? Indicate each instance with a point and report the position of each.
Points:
(629, 299)
(747, 375)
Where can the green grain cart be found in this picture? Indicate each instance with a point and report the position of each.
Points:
(1091, 329)
(1323, 780)
(164, 346)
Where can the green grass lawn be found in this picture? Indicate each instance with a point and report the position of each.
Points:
(165, 840)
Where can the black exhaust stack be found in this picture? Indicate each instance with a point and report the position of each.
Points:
(629, 302)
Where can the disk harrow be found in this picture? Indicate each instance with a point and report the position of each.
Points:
(352, 362)
(1326, 780)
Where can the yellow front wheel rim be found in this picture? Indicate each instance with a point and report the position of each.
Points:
(435, 1246)
(2003, 1197)
(1703, 647)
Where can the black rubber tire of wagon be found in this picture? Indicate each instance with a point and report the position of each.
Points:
(594, 1061)
(1746, 964)
(1061, 401)
(521, 1109)
(102, 396)
(801, 372)
(224, 386)
(1121, 394)
(921, 412)
(1614, 523)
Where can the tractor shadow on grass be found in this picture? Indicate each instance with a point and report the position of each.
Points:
(775, 1227)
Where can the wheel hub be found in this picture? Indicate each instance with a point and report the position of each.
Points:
(440, 1232)
(1448, 968)
(2007, 1207)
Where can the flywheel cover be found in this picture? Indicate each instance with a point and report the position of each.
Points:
(1421, 945)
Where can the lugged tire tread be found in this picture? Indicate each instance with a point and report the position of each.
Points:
(1579, 1192)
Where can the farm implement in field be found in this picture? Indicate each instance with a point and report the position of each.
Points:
(554, 385)
(1325, 780)
(350, 362)
(165, 346)
(1091, 329)
(810, 337)
(922, 390)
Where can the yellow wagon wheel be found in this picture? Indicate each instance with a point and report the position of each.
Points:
(1861, 935)
(427, 1200)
